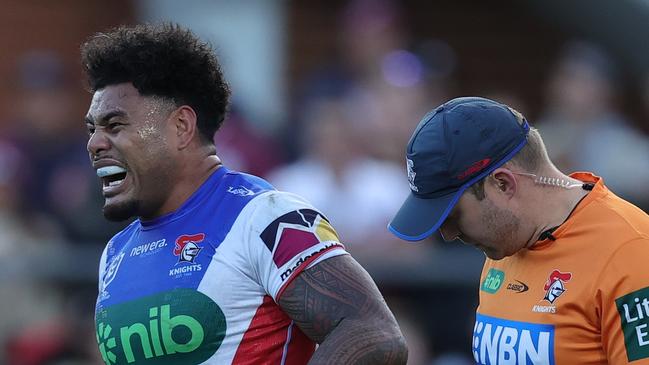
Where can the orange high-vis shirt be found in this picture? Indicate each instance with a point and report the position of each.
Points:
(582, 298)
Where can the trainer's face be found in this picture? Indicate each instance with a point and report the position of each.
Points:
(128, 147)
(481, 223)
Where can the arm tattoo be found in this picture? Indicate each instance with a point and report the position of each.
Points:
(337, 304)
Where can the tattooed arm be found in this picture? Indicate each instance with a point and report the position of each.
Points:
(337, 304)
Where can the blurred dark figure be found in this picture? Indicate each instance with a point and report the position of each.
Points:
(336, 174)
(355, 113)
(62, 341)
(387, 79)
(356, 193)
(25, 299)
(245, 148)
(45, 126)
(583, 129)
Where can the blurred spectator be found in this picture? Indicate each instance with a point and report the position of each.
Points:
(582, 129)
(335, 175)
(354, 190)
(46, 127)
(63, 341)
(24, 299)
(389, 83)
(244, 148)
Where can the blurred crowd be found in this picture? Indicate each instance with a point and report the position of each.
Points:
(342, 149)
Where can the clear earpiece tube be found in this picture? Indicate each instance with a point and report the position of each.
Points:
(551, 181)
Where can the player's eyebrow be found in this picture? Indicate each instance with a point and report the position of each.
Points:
(104, 118)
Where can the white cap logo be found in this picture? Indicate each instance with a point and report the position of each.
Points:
(411, 175)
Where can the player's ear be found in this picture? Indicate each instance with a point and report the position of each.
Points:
(183, 122)
(504, 182)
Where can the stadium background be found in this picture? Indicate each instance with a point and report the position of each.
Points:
(326, 94)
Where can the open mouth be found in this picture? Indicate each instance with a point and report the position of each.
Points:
(111, 176)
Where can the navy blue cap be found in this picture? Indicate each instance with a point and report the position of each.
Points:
(453, 147)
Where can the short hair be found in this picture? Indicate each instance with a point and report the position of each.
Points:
(163, 60)
(530, 159)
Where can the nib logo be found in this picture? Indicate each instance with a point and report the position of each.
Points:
(106, 344)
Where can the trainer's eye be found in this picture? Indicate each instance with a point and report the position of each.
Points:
(113, 126)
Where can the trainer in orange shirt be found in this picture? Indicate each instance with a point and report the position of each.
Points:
(566, 280)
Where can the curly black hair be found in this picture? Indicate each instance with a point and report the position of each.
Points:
(163, 60)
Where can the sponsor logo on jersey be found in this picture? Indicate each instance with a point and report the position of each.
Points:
(493, 281)
(295, 232)
(286, 274)
(500, 341)
(147, 249)
(187, 249)
(178, 327)
(518, 287)
(554, 287)
(240, 191)
(634, 317)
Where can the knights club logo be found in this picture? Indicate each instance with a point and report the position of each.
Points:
(556, 285)
(187, 247)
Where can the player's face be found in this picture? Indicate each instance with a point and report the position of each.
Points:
(480, 223)
(128, 135)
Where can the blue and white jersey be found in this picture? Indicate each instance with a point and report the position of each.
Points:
(200, 285)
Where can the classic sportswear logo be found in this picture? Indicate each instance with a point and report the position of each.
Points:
(178, 327)
(493, 281)
(634, 317)
(521, 287)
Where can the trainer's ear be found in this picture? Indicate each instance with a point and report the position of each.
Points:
(504, 182)
(184, 123)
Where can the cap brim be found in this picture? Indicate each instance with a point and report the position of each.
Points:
(418, 218)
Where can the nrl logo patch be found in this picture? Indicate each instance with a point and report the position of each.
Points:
(111, 270)
(411, 175)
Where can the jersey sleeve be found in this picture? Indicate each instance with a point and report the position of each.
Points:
(288, 235)
(624, 304)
